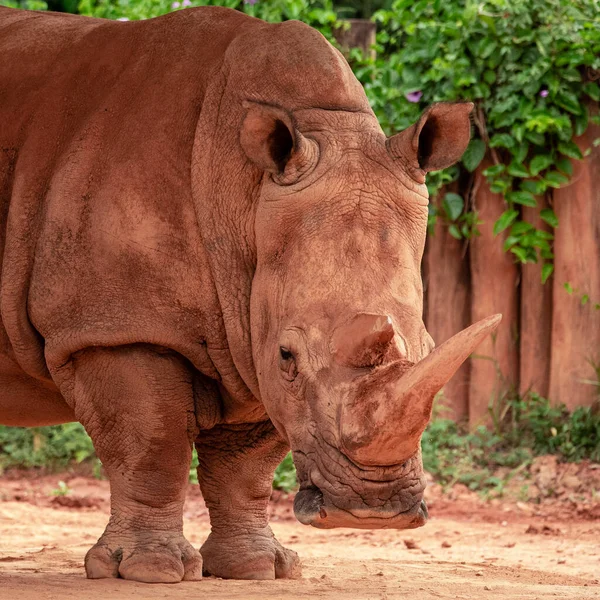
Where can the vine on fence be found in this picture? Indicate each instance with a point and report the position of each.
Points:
(529, 67)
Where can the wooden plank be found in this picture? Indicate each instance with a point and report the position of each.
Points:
(356, 33)
(536, 317)
(447, 307)
(576, 326)
(494, 279)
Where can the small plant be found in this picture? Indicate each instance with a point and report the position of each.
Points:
(285, 475)
(526, 427)
(194, 467)
(532, 421)
(50, 447)
(62, 489)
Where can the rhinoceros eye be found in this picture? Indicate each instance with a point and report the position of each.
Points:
(287, 363)
(285, 354)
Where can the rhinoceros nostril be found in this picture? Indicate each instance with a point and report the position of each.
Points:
(308, 503)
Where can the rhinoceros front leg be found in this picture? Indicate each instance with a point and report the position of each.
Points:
(136, 403)
(236, 466)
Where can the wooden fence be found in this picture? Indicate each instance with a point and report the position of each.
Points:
(549, 339)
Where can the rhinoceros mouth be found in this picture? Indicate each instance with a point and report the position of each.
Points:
(312, 507)
(337, 492)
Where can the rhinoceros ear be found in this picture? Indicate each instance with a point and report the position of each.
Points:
(437, 140)
(271, 141)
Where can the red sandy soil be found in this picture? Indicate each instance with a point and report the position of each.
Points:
(469, 550)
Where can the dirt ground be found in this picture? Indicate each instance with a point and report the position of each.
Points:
(469, 550)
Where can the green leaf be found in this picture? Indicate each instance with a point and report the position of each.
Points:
(535, 186)
(584, 299)
(546, 255)
(510, 241)
(506, 219)
(494, 170)
(539, 163)
(473, 154)
(499, 186)
(502, 140)
(581, 122)
(555, 179)
(570, 149)
(565, 165)
(569, 101)
(454, 231)
(487, 46)
(521, 197)
(549, 216)
(521, 152)
(520, 253)
(517, 169)
(592, 89)
(489, 21)
(520, 227)
(547, 270)
(453, 205)
(489, 77)
(568, 287)
(535, 138)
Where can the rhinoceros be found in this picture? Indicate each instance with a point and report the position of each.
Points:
(206, 238)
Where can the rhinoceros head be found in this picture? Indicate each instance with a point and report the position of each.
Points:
(346, 368)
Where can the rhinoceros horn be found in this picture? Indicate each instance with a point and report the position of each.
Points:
(383, 423)
(364, 341)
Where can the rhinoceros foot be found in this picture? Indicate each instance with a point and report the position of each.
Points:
(150, 557)
(249, 555)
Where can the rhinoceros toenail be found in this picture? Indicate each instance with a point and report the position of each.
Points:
(118, 554)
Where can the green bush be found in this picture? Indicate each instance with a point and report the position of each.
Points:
(452, 455)
(58, 447)
(50, 447)
(285, 475)
(532, 421)
(530, 427)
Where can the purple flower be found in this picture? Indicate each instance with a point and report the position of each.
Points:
(252, 2)
(186, 3)
(414, 96)
(175, 5)
(544, 93)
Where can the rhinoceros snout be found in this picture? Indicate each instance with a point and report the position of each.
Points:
(312, 508)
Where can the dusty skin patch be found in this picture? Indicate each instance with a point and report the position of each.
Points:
(467, 551)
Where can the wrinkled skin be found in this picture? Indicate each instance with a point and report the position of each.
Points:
(206, 238)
